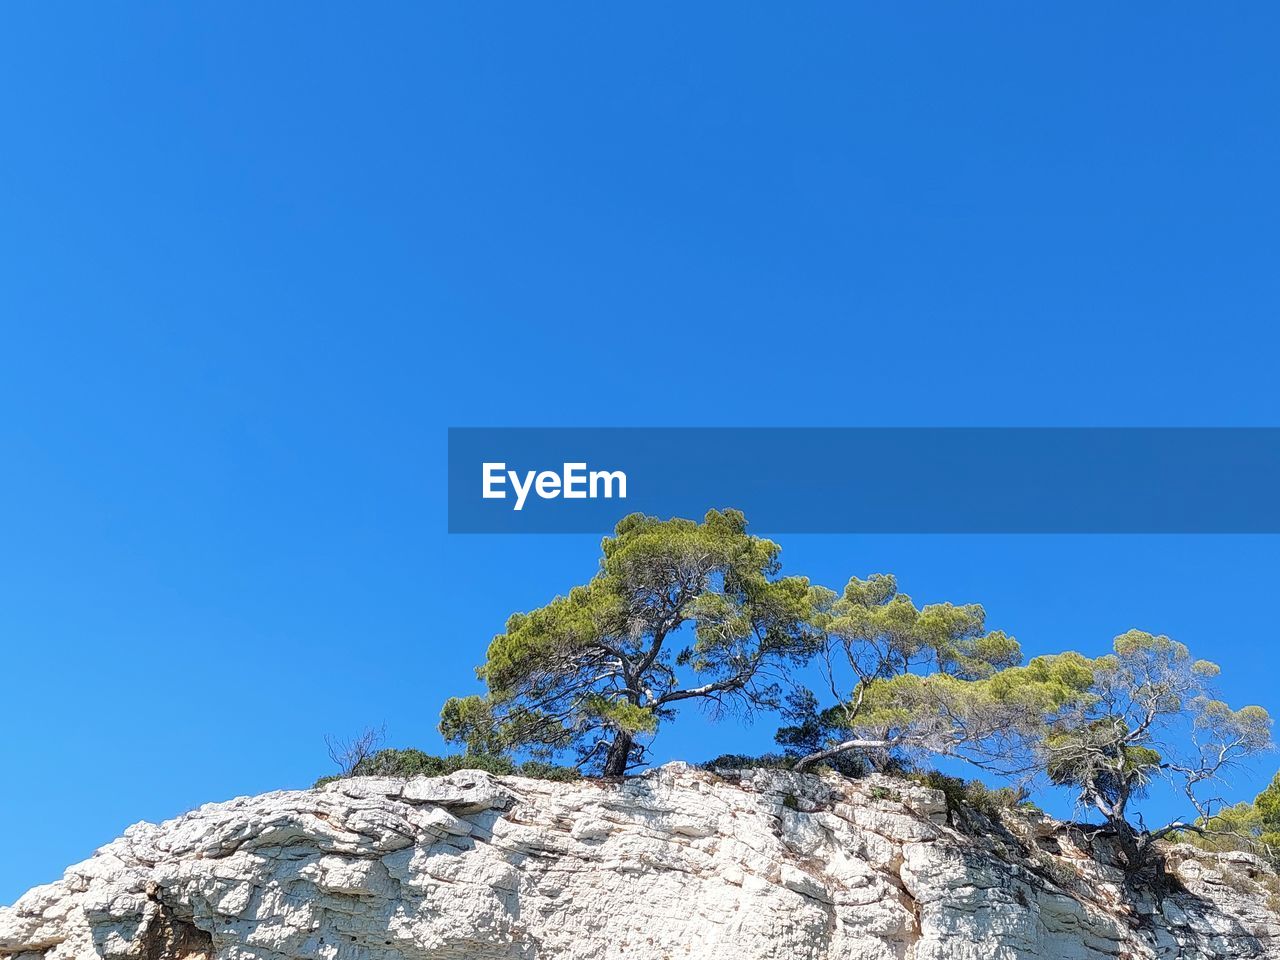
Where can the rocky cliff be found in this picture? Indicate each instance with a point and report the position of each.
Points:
(676, 863)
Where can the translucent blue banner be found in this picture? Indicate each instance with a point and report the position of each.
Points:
(871, 480)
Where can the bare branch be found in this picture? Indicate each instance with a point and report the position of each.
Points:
(348, 754)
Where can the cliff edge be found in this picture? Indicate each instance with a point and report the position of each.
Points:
(676, 863)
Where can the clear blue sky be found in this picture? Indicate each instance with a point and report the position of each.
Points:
(255, 258)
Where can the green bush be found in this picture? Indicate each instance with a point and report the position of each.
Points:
(400, 763)
(744, 761)
(848, 765)
(538, 770)
(964, 795)
(415, 763)
(1253, 827)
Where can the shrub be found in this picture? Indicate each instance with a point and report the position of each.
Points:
(1254, 827)
(744, 761)
(538, 770)
(848, 765)
(969, 794)
(415, 763)
(349, 754)
(399, 763)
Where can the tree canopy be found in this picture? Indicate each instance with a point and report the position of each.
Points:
(699, 611)
(679, 610)
(927, 679)
(1252, 826)
(932, 681)
(1150, 711)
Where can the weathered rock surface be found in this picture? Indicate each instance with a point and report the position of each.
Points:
(677, 863)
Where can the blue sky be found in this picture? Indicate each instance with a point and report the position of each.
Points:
(254, 260)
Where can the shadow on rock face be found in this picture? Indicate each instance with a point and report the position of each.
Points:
(169, 937)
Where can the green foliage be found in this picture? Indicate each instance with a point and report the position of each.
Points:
(1245, 826)
(415, 763)
(962, 795)
(812, 730)
(932, 680)
(683, 610)
(538, 770)
(996, 719)
(469, 721)
(848, 766)
(630, 718)
(744, 761)
(403, 763)
(598, 670)
(1096, 755)
(1267, 804)
(1045, 685)
(1002, 703)
(923, 679)
(1131, 726)
(1237, 827)
(885, 633)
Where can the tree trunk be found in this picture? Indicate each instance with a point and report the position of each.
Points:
(1131, 845)
(806, 762)
(618, 758)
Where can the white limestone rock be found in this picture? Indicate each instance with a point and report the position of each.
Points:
(676, 863)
